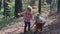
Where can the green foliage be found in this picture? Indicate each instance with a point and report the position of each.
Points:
(24, 4)
(30, 32)
(4, 22)
(10, 10)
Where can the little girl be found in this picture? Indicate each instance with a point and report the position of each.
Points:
(39, 24)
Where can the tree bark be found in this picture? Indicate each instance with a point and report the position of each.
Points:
(59, 5)
(6, 10)
(0, 4)
(18, 7)
(39, 7)
(32, 2)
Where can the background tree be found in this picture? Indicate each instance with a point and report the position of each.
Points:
(39, 7)
(48, 1)
(6, 8)
(54, 7)
(32, 2)
(59, 5)
(0, 4)
(55, 23)
(18, 7)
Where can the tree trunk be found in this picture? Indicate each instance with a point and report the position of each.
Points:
(32, 2)
(18, 7)
(54, 7)
(59, 5)
(39, 7)
(6, 10)
(0, 4)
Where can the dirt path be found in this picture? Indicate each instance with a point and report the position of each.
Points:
(16, 28)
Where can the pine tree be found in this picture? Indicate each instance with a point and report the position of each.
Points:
(0, 4)
(6, 8)
(39, 7)
(18, 7)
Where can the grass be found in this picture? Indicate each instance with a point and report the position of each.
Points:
(4, 23)
(29, 32)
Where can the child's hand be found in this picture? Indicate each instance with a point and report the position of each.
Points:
(34, 25)
(18, 13)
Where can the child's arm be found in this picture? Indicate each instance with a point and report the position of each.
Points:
(21, 13)
(32, 17)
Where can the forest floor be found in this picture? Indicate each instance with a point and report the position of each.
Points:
(52, 26)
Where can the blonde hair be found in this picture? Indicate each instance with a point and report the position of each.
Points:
(29, 7)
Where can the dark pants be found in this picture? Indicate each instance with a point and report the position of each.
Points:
(39, 26)
(27, 24)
